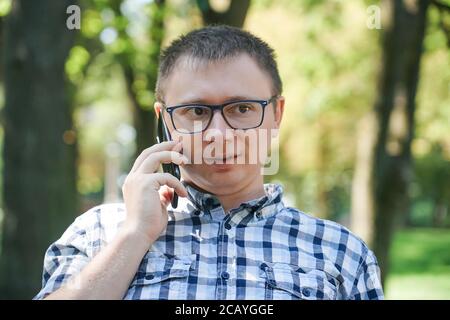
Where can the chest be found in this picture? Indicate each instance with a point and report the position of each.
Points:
(235, 263)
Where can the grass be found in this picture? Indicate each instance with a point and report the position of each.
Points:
(420, 265)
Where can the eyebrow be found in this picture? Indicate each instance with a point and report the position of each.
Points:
(226, 100)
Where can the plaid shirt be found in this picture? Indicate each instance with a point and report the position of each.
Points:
(260, 250)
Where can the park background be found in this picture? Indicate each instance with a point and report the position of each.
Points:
(364, 141)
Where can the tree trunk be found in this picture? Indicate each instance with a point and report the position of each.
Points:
(390, 152)
(233, 16)
(362, 212)
(323, 163)
(40, 197)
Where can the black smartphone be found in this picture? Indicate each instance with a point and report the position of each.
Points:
(163, 134)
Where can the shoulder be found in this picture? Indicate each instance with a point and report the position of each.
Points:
(109, 213)
(336, 242)
(339, 251)
(100, 222)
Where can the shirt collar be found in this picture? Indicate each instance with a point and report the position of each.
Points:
(262, 207)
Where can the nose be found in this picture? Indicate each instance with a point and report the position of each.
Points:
(219, 123)
(217, 131)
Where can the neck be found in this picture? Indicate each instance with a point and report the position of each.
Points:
(233, 200)
(251, 191)
(246, 192)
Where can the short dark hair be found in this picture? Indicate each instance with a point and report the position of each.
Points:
(214, 43)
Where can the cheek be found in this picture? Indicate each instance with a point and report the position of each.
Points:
(192, 145)
(255, 148)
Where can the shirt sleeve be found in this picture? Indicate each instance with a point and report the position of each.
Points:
(367, 284)
(64, 258)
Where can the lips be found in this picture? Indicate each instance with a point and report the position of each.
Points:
(224, 159)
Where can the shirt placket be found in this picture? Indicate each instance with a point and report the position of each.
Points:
(227, 276)
(223, 270)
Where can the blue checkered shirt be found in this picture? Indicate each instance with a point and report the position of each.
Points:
(260, 250)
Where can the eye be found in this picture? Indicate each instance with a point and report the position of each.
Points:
(243, 108)
(197, 111)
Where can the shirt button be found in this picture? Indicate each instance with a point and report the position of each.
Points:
(225, 275)
(209, 202)
(272, 283)
(306, 292)
(149, 277)
(227, 226)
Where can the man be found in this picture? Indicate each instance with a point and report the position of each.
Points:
(231, 236)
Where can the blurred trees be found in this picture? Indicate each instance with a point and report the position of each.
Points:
(114, 62)
(109, 33)
(140, 69)
(40, 198)
(431, 190)
(385, 174)
(388, 168)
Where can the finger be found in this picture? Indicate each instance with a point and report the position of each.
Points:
(166, 145)
(174, 147)
(153, 161)
(166, 195)
(166, 179)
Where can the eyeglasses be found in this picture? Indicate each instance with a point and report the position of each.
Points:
(242, 114)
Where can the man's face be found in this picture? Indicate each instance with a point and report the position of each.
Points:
(216, 83)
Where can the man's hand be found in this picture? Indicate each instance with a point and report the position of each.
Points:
(111, 271)
(145, 202)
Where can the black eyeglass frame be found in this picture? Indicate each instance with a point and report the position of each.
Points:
(213, 107)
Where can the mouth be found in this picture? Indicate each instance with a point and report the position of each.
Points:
(223, 159)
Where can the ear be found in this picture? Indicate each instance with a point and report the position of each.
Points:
(158, 108)
(279, 109)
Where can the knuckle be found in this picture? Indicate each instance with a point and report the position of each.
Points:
(136, 179)
(151, 148)
(150, 157)
(168, 177)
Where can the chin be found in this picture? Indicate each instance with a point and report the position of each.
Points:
(220, 180)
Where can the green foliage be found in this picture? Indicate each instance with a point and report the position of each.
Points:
(431, 188)
(421, 251)
(92, 23)
(420, 265)
(5, 7)
(76, 63)
(116, 45)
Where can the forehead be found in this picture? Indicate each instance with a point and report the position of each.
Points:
(214, 81)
